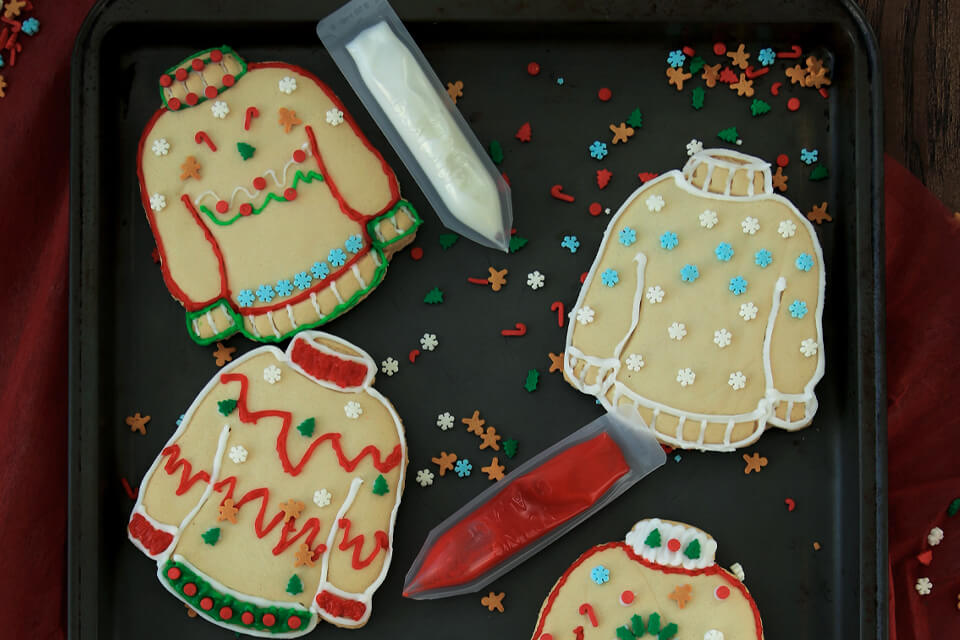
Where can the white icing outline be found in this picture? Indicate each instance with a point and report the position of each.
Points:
(608, 368)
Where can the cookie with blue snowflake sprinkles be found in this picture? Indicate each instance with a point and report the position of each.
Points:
(662, 579)
(715, 236)
(271, 211)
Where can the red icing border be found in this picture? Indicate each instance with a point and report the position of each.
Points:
(154, 540)
(707, 571)
(341, 607)
(327, 367)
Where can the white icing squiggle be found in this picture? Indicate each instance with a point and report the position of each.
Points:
(305, 147)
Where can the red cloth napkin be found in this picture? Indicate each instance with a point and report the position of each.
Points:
(923, 239)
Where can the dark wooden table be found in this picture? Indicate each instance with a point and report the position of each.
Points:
(920, 52)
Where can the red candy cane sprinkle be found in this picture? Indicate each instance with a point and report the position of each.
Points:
(201, 137)
(775, 88)
(558, 307)
(756, 73)
(483, 281)
(791, 504)
(824, 93)
(251, 113)
(557, 192)
(413, 355)
(795, 52)
(688, 51)
(519, 330)
(587, 610)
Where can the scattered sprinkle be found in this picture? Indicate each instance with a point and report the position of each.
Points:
(533, 379)
(463, 468)
(754, 463)
(389, 366)
(434, 296)
(447, 240)
(493, 601)
(425, 477)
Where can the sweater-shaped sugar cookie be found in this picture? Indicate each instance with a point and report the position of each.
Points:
(273, 504)
(271, 211)
(661, 583)
(702, 310)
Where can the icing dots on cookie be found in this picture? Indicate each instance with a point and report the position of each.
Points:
(272, 374)
(220, 109)
(353, 410)
(287, 85)
(334, 117)
(708, 219)
(686, 377)
(737, 380)
(655, 203)
(160, 147)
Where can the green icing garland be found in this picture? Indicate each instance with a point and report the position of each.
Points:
(238, 607)
(271, 197)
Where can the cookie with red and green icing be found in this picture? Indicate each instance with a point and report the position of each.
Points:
(271, 211)
(661, 583)
(272, 506)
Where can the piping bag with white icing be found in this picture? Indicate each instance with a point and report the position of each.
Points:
(396, 84)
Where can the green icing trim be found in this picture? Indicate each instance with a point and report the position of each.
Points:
(225, 50)
(653, 539)
(380, 486)
(238, 607)
(226, 407)
(211, 536)
(693, 550)
(271, 197)
(306, 427)
(394, 210)
(294, 585)
(229, 331)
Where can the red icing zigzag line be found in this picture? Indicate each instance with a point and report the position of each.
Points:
(382, 542)
(311, 525)
(252, 417)
(176, 462)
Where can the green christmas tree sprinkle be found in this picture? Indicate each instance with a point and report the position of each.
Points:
(653, 539)
(636, 119)
(533, 379)
(729, 135)
(693, 550)
(759, 107)
(294, 585)
(954, 507)
(496, 152)
(819, 172)
(211, 536)
(517, 243)
(226, 407)
(380, 486)
(434, 296)
(246, 150)
(447, 240)
(697, 64)
(510, 447)
(306, 427)
(696, 98)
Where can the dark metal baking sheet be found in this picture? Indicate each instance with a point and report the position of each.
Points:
(129, 351)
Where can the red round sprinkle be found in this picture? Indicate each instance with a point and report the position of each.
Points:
(206, 604)
(604, 94)
(722, 592)
(190, 589)
(181, 74)
(192, 98)
(226, 613)
(165, 80)
(783, 160)
(719, 48)
(173, 573)
(294, 622)
(259, 183)
(246, 209)
(268, 619)
(173, 103)
(793, 104)
(222, 206)
(197, 64)
(416, 253)
(228, 80)
(626, 597)
(595, 209)
(673, 544)
(210, 91)
(688, 51)
(216, 55)
(299, 155)
(533, 68)
(247, 617)
(583, 277)
(290, 194)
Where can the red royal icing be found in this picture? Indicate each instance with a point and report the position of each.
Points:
(328, 367)
(380, 537)
(153, 540)
(175, 463)
(310, 528)
(341, 607)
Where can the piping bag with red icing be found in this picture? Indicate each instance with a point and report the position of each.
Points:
(531, 507)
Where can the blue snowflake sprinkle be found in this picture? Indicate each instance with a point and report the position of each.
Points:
(804, 262)
(284, 288)
(245, 298)
(676, 58)
(180, 419)
(600, 574)
(560, 81)
(676, 458)
(265, 293)
(798, 309)
(1, 60)
(723, 252)
(598, 150)
(669, 240)
(570, 242)
(628, 236)
(337, 257)
(463, 468)
(766, 57)
(809, 156)
(610, 277)
(30, 26)
(320, 270)
(762, 258)
(302, 280)
(689, 273)
(738, 285)
(354, 243)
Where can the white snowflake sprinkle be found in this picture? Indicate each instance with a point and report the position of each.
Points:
(677, 331)
(694, 147)
(722, 338)
(272, 374)
(635, 362)
(655, 294)
(321, 498)
(686, 377)
(935, 536)
(158, 202)
(389, 366)
(160, 147)
(220, 109)
(737, 380)
(809, 347)
(708, 219)
(287, 85)
(429, 341)
(750, 225)
(238, 454)
(535, 280)
(655, 203)
(748, 311)
(737, 569)
(353, 410)
(713, 634)
(445, 421)
(923, 586)
(425, 477)
(585, 315)
(334, 117)
(787, 228)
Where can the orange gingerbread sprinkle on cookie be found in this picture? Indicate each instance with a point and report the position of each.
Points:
(304, 557)
(190, 168)
(291, 509)
(288, 119)
(682, 593)
(227, 512)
